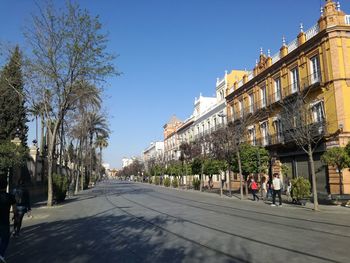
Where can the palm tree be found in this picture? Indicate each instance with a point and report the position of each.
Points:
(101, 142)
(96, 126)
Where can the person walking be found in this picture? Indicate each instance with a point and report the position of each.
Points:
(21, 195)
(254, 187)
(276, 186)
(263, 187)
(288, 188)
(269, 189)
(6, 201)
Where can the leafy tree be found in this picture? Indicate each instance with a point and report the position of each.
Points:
(13, 115)
(12, 155)
(196, 166)
(255, 159)
(347, 150)
(67, 48)
(211, 167)
(337, 157)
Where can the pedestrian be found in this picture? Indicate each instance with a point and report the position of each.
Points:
(276, 186)
(254, 187)
(263, 187)
(6, 201)
(21, 195)
(269, 189)
(288, 188)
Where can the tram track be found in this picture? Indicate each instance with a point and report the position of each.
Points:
(205, 227)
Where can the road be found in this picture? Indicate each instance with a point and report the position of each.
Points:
(132, 222)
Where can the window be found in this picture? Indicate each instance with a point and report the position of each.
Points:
(315, 69)
(263, 97)
(251, 103)
(252, 135)
(294, 74)
(318, 111)
(277, 89)
(214, 122)
(232, 112)
(240, 105)
(209, 125)
(279, 131)
(264, 133)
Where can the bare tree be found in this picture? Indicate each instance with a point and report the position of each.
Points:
(237, 130)
(67, 47)
(223, 149)
(303, 129)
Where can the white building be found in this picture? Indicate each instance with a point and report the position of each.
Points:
(127, 161)
(153, 153)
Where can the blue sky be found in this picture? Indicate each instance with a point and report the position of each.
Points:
(172, 50)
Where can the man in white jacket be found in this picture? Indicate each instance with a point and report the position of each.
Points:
(277, 187)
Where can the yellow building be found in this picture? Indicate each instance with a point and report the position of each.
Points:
(316, 64)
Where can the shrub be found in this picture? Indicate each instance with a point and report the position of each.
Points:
(60, 187)
(300, 188)
(175, 183)
(156, 180)
(167, 182)
(196, 183)
(150, 181)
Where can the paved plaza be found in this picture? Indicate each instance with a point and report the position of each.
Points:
(132, 222)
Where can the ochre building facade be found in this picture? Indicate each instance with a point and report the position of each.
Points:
(316, 63)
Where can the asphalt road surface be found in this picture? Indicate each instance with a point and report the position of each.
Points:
(132, 222)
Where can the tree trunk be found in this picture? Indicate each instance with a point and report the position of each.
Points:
(201, 179)
(229, 181)
(51, 151)
(90, 179)
(240, 173)
(221, 182)
(42, 135)
(61, 146)
(78, 168)
(340, 181)
(100, 172)
(313, 176)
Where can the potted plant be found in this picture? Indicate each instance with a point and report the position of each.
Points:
(301, 190)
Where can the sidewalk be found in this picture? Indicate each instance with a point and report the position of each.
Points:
(215, 192)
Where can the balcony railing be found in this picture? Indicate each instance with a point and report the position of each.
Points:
(317, 129)
(240, 83)
(303, 83)
(285, 92)
(292, 45)
(311, 32)
(347, 19)
(250, 75)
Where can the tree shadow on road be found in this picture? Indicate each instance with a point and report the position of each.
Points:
(107, 238)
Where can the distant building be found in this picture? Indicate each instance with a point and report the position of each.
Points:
(127, 161)
(171, 138)
(106, 165)
(153, 154)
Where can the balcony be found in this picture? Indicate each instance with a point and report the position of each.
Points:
(315, 129)
(302, 84)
